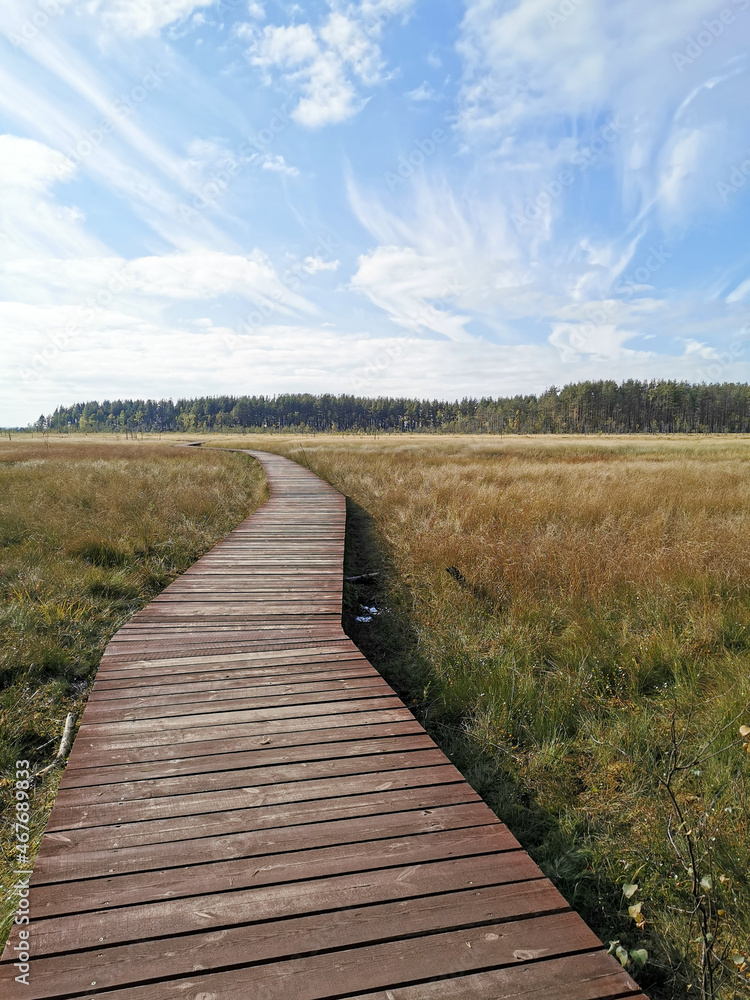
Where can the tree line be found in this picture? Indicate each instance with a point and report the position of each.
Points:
(657, 406)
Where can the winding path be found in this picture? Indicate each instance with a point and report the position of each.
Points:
(249, 811)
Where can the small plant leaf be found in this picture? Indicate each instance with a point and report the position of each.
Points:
(629, 890)
(612, 947)
(639, 956)
(622, 955)
(707, 883)
(635, 912)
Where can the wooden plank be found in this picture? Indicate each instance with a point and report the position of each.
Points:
(277, 902)
(173, 829)
(231, 699)
(89, 760)
(333, 974)
(112, 731)
(198, 803)
(158, 745)
(291, 750)
(591, 976)
(139, 962)
(240, 777)
(281, 681)
(275, 869)
(102, 860)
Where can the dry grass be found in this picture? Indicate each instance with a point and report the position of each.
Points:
(89, 533)
(605, 591)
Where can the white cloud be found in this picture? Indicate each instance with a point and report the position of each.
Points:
(277, 163)
(443, 264)
(256, 10)
(535, 68)
(327, 94)
(702, 350)
(206, 274)
(418, 293)
(285, 47)
(597, 342)
(161, 360)
(70, 213)
(198, 275)
(33, 224)
(326, 64)
(313, 265)
(423, 92)
(355, 49)
(740, 292)
(28, 164)
(71, 115)
(440, 262)
(137, 18)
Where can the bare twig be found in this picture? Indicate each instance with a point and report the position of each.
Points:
(64, 748)
(702, 909)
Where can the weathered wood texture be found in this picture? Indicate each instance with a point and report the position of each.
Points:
(249, 811)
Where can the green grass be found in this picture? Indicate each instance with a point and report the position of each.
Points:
(89, 534)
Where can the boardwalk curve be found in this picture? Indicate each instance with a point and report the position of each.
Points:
(249, 811)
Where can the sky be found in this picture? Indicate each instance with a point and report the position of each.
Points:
(432, 198)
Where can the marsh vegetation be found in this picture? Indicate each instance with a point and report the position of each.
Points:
(569, 618)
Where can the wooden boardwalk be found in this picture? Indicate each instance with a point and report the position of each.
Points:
(250, 812)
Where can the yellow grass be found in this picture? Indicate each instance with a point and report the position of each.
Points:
(90, 531)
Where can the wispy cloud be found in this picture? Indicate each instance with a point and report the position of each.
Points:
(136, 18)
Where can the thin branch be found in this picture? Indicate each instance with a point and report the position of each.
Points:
(64, 748)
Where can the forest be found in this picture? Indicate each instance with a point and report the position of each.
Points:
(631, 407)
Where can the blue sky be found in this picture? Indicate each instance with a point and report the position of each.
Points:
(419, 197)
